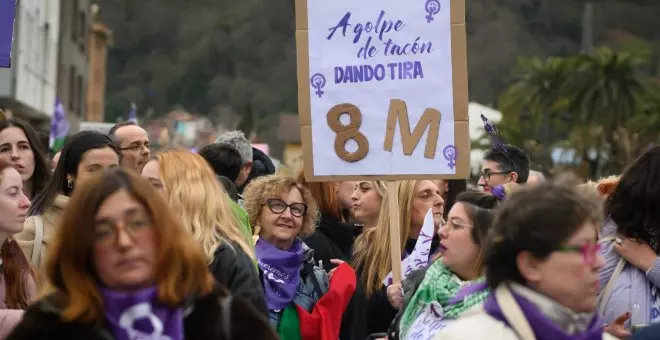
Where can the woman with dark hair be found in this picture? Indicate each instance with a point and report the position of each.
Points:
(123, 267)
(630, 236)
(334, 236)
(17, 286)
(461, 262)
(20, 146)
(542, 264)
(83, 155)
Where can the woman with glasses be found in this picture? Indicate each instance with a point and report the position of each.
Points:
(542, 263)
(432, 304)
(123, 267)
(284, 212)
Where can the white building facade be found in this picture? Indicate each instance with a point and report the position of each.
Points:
(28, 89)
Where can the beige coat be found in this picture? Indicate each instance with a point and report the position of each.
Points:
(9, 318)
(50, 219)
(477, 324)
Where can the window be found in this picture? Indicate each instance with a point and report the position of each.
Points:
(72, 89)
(81, 96)
(82, 30)
(73, 14)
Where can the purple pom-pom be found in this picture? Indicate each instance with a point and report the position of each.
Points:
(499, 192)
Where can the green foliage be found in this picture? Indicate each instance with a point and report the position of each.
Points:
(600, 105)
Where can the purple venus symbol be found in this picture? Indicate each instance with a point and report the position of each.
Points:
(450, 155)
(318, 82)
(432, 8)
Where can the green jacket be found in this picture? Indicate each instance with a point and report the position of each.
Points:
(243, 221)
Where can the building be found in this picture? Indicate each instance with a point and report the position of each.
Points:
(28, 88)
(99, 39)
(73, 61)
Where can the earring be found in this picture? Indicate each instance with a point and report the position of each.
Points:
(69, 183)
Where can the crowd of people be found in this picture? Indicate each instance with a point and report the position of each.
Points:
(109, 239)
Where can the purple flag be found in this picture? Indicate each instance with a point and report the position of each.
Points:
(7, 9)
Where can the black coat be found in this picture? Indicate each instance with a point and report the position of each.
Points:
(332, 239)
(234, 269)
(42, 321)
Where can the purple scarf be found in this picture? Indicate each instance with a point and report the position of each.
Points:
(138, 315)
(543, 328)
(281, 272)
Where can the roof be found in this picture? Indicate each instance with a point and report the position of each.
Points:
(288, 130)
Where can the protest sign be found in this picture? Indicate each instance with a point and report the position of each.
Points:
(382, 89)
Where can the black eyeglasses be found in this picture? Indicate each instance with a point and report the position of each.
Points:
(486, 174)
(278, 206)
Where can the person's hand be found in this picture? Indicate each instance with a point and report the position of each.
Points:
(638, 253)
(617, 328)
(395, 295)
(333, 270)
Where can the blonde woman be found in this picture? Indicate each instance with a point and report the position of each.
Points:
(367, 198)
(373, 263)
(197, 198)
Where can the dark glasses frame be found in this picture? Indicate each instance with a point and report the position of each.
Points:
(272, 204)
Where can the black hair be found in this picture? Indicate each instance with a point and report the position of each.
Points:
(537, 219)
(70, 158)
(454, 188)
(511, 159)
(230, 187)
(480, 206)
(635, 204)
(224, 159)
(42, 173)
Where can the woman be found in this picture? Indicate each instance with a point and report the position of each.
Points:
(17, 286)
(461, 240)
(84, 154)
(195, 196)
(20, 146)
(542, 264)
(367, 198)
(333, 237)
(285, 212)
(630, 278)
(374, 263)
(122, 257)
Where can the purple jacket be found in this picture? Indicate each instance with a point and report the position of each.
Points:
(632, 292)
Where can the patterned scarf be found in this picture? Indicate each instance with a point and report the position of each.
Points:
(440, 285)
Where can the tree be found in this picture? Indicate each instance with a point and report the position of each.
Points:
(606, 89)
(535, 98)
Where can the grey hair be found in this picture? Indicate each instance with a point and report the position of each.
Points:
(238, 140)
(538, 175)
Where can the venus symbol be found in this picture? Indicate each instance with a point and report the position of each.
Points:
(318, 82)
(450, 155)
(432, 8)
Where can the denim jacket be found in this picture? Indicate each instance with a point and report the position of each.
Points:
(306, 294)
(633, 290)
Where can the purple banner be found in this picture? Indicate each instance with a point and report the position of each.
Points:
(7, 8)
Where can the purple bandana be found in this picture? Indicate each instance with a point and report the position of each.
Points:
(543, 328)
(138, 315)
(281, 272)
